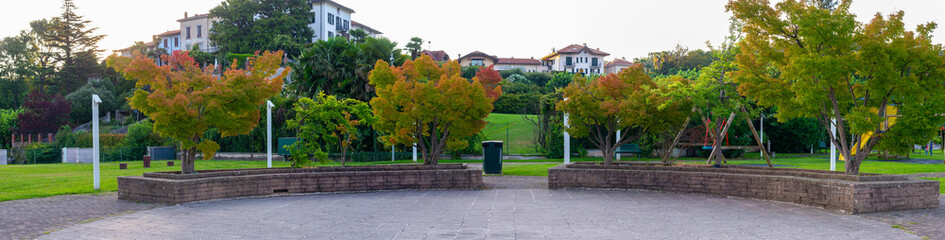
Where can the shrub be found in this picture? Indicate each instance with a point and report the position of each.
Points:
(42, 153)
(7, 124)
(517, 103)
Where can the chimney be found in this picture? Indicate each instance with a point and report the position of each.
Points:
(458, 56)
(585, 44)
(185, 14)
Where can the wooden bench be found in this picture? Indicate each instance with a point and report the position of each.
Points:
(629, 148)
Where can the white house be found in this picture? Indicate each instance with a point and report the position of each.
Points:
(526, 64)
(616, 65)
(370, 31)
(329, 19)
(169, 41)
(576, 58)
(195, 30)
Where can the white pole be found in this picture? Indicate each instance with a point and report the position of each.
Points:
(617, 140)
(567, 140)
(269, 106)
(391, 153)
(414, 152)
(833, 148)
(96, 183)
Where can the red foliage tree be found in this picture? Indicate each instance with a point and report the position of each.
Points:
(43, 113)
(490, 80)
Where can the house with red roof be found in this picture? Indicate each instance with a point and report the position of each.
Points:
(576, 58)
(616, 65)
(439, 55)
(477, 58)
(169, 41)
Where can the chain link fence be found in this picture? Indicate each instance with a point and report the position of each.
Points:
(54, 155)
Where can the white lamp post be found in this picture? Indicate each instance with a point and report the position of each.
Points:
(414, 152)
(617, 140)
(95, 142)
(833, 148)
(269, 106)
(567, 140)
(391, 153)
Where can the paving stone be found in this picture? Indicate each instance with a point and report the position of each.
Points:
(492, 214)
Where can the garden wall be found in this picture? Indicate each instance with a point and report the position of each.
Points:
(829, 190)
(76, 155)
(174, 188)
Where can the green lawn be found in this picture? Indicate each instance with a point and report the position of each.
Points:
(43, 180)
(515, 132)
(527, 169)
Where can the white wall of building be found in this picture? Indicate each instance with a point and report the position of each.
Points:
(199, 29)
(579, 61)
(168, 43)
(325, 28)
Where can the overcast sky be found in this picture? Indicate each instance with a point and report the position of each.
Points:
(507, 28)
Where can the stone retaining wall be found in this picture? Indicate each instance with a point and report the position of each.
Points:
(174, 188)
(824, 189)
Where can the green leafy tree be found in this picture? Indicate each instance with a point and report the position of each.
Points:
(81, 109)
(76, 46)
(629, 101)
(7, 124)
(358, 35)
(340, 67)
(427, 104)
(414, 47)
(808, 61)
(185, 100)
(247, 26)
(327, 123)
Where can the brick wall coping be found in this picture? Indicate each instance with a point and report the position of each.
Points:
(175, 188)
(808, 173)
(260, 171)
(824, 189)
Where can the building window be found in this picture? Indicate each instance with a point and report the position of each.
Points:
(594, 62)
(314, 16)
(188, 33)
(165, 43)
(176, 42)
(199, 31)
(338, 20)
(331, 19)
(476, 62)
(567, 61)
(331, 34)
(346, 25)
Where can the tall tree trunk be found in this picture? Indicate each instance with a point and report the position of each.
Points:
(187, 160)
(608, 150)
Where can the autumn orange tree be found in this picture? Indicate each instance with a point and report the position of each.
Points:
(629, 101)
(813, 60)
(185, 100)
(431, 105)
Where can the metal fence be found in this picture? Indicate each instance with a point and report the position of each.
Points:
(54, 155)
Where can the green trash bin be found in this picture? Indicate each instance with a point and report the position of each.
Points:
(492, 157)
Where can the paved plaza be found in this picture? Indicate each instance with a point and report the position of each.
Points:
(493, 214)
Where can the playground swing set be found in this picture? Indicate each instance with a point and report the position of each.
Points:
(710, 135)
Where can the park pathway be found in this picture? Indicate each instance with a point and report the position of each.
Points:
(511, 207)
(31, 218)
